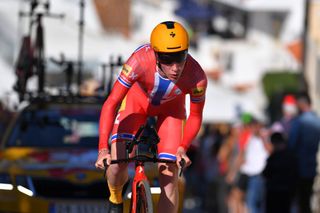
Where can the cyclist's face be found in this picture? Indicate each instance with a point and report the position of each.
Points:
(172, 64)
(173, 71)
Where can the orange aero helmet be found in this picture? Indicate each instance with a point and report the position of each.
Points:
(169, 37)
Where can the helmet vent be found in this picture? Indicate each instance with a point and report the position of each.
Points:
(169, 24)
(173, 48)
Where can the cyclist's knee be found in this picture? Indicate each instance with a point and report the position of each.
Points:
(168, 172)
(117, 169)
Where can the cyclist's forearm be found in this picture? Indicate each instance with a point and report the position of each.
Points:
(193, 124)
(106, 123)
(108, 114)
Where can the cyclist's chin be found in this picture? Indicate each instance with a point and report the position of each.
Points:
(174, 78)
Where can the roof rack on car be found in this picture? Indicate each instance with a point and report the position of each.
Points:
(90, 90)
(31, 62)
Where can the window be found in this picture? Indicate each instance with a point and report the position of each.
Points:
(56, 128)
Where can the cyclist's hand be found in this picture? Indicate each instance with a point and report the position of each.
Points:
(181, 153)
(103, 154)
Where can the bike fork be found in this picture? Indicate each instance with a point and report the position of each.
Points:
(139, 176)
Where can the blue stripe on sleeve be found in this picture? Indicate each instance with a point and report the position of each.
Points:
(123, 82)
(167, 156)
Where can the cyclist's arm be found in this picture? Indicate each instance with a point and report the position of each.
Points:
(193, 124)
(108, 114)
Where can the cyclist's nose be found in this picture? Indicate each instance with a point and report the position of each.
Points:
(175, 67)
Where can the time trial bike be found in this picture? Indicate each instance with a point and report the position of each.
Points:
(145, 151)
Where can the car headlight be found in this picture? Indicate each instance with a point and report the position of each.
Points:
(5, 182)
(25, 185)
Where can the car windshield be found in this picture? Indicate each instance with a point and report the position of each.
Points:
(54, 127)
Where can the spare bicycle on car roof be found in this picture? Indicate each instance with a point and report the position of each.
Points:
(31, 58)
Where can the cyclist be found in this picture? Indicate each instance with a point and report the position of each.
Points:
(154, 82)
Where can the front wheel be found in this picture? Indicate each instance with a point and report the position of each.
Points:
(144, 198)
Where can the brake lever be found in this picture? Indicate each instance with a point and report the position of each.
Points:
(182, 164)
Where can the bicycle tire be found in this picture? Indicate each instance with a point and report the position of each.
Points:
(144, 198)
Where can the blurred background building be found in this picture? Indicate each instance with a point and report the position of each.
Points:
(251, 50)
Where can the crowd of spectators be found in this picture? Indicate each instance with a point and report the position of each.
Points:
(253, 166)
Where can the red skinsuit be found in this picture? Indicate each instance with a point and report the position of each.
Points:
(144, 93)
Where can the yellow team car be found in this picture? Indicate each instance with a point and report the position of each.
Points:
(47, 160)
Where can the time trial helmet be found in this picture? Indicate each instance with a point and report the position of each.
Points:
(170, 41)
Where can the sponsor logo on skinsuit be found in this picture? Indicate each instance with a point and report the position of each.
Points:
(133, 76)
(177, 91)
(126, 69)
(198, 91)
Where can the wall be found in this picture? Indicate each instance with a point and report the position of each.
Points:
(114, 15)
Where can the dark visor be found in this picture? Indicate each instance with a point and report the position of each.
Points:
(170, 58)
